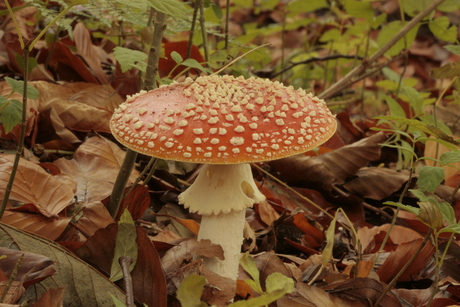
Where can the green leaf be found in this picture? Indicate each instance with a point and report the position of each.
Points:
(327, 251)
(446, 209)
(395, 107)
(449, 6)
(359, 9)
(389, 31)
(173, 8)
(455, 49)
(278, 284)
(440, 28)
(130, 59)
(217, 10)
(190, 291)
(85, 286)
(413, 7)
(18, 86)
(10, 113)
(117, 302)
(249, 265)
(430, 177)
(32, 63)
(176, 57)
(194, 64)
(450, 157)
(139, 4)
(450, 70)
(430, 129)
(378, 21)
(410, 209)
(455, 228)
(125, 245)
(430, 214)
(300, 6)
(330, 35)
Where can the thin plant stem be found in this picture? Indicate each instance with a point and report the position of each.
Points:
(15, 22)
(17, 157)
(149, 84)
(345, 81)
(203, 31)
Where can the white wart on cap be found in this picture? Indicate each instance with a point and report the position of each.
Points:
(223, 120)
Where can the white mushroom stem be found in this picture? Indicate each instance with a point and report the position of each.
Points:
(221, 194)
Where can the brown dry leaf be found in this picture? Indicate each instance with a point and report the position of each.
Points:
(137, 201)
(34, 185)
(51, 298)
(370, 238)
(268, 263)
(99, 249)
(149, 282)
(50, 228)
(21, 18)
(397, 259)
(266, 212)
(33, 268)
(184, 252)
(95, 166)
(95, 216)
(85, 48)
(376, 182)
(310, 296)
(220, 290)
(14, 294)
(416, 297)
(362, 290)
(332, 167)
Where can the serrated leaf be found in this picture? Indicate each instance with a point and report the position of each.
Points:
(430, 129)
(10, 113)
(442, 29)
(389, 31)
(450, 157)
(125, 245)
(18, 86)
(359, 9)
(173, 8)
(430, 177)
(176, 57)
(430, 214)
(451, 70)
(190, 291)
(130, 59)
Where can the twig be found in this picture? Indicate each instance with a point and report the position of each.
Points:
(22, 136)
(149, 84)
(316, 59)
(345, 81)
(125, 262)
(12, 278)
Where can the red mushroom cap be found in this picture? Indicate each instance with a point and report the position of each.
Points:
(223, 120)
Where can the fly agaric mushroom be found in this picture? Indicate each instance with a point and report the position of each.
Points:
(225, 123)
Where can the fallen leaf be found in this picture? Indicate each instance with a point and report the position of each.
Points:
(34, 185)
(51, 298)
(85, 285)
(94, 167)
